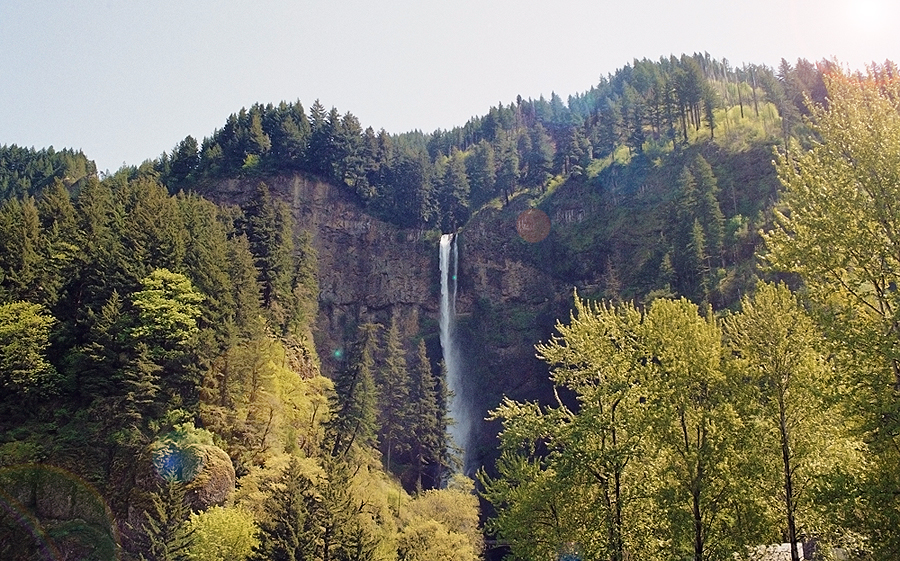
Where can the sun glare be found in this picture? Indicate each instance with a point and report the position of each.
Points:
(868, 15)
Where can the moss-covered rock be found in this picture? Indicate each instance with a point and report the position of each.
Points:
(215, 482)
(51, 509)
(187, 454)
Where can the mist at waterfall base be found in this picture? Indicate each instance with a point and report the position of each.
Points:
(459, 409)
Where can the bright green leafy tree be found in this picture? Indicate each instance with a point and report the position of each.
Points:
(583, 490)
(839, 229)
(792, 390)
(222, 533)
(696, 434)
(24, 339)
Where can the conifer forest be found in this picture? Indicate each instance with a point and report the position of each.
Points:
(689, 349)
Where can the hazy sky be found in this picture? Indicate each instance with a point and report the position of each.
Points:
(125, 80)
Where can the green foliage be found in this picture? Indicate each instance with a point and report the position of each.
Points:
(354, 402)
(291, 530)
(168, 538)
(313, 513)
(159, 310)
(222, 533)
(416, 179)
(697, 432)
(837, 231)
(429, 540)
(21, 255)
(793, 391)
(591, 451)
(393, 396)
(656, 460)
(146, 305)
(260, 407)
(168, 308)
(443, 524)
(24, 338)
(425, 433)
(453, 194)
(482, 173)
(26, 171)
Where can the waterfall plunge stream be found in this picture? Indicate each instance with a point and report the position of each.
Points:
(458, 410)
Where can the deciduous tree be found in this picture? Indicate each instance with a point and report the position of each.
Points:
(839, 230)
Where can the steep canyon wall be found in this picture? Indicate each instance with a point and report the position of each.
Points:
(371, 270)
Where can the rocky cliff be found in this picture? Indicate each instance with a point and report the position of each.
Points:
(371, 270)
(610, 235)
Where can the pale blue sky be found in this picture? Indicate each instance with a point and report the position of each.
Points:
(125, 80)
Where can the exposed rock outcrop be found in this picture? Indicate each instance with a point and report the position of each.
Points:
(205, 470)
(46, 508)
(371, 270)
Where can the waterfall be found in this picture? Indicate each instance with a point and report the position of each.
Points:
(459, 430)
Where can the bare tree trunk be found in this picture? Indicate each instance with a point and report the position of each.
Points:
(788, 479)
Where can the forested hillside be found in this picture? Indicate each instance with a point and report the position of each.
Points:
(692, 132)
(156, 349)
(25, 171)
(438, 179)
(164, 330)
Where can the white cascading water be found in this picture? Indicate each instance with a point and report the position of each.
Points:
(459, 430)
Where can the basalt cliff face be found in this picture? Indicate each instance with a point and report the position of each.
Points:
(370, 270)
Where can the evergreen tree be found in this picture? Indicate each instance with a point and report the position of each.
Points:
(425, 436)
(411, 198)
(539, 158)
(346, 534)
(350, 160)
(508, 170)
(710, 102)
(59, 227)
(206, 260)
(689, 86)
(245, 288)
(93, 367)
(323, 152)
(482, 173)
(634, 113)
(683, 217)
(291, 531)
(453, 196)
(167, 537)
(269, 230)
(697, 269)
(140, 400)
(290, 136)
(151, 230)
(393, 396)
(354, 402)
(708, 211)
(184, 160)
(572, 153)
(21, 259)
(258, 142)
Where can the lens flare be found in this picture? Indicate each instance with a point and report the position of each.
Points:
(533, 225)
(23, 502)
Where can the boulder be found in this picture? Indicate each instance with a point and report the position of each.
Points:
(205, 469)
